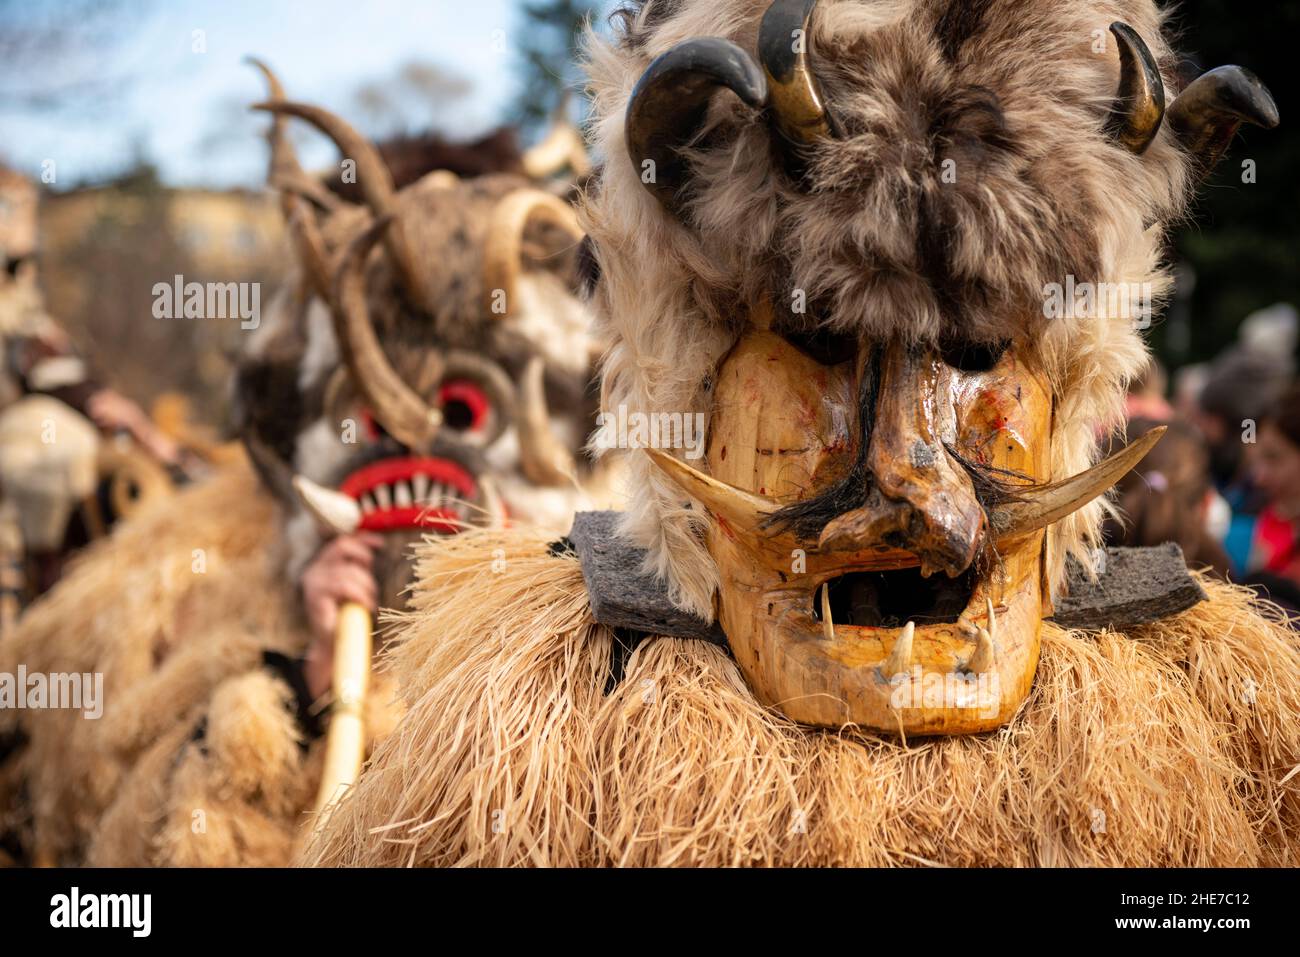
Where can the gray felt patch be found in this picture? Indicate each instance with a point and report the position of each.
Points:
(1135, 586)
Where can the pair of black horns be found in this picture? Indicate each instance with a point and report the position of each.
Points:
(669, 103)
(668, 106)
(1204, 117)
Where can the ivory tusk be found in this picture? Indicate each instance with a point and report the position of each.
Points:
(742, 509)
(334, 510)
(1043, 506)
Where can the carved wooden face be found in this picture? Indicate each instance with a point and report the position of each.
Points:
(881, 591)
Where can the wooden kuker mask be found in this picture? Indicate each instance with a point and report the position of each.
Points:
(893, 470)
(879, 527)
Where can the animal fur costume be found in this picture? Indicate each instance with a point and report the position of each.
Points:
(394, 399)
(826, 546)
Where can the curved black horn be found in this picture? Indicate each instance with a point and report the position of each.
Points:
(783, 42)
(669, 102)
(1139, 105)
(1207, 114)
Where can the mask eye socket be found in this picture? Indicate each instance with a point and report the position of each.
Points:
(371, 425)
(822, 346)
(973, 356)
(465, 407)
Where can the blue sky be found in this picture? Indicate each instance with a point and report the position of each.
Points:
(184, 110)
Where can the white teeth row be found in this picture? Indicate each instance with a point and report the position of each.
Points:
(420, 491)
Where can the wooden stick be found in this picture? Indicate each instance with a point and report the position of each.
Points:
(345, 743)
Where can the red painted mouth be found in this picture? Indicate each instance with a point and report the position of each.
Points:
(413, 493)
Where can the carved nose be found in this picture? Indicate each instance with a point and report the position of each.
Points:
(921, 500)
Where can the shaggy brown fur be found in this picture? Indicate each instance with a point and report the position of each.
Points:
(175, 602)
(197, 759)
(1013, 93)
(1175, 744)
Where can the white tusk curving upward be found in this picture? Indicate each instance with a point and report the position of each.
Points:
(743, 509)
(1041, 507)
(334, 510)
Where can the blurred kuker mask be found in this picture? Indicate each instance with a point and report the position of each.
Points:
(430, 411)
(879, 526)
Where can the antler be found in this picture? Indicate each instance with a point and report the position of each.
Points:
(375, 181)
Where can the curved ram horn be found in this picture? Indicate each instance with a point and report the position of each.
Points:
(298, 216)
(796, 101)
(541, 456)
(561, 146)
(1207, 113)
(395, 404)
(1139, 105)
(373, 177)
(502, 257)
(669, 103)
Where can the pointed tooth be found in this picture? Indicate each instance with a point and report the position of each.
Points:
(984, 654)
(1041, 507)
(333, 509)
(982, 660)
(828, 623)
(901, 657)
(493, 508)
(367, 504)
(401, 495)
(383, 496)
(420, 487)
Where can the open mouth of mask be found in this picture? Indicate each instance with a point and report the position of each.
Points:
(413, 492)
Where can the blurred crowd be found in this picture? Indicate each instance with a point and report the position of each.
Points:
(1224, 482)
(75, 454)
